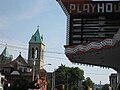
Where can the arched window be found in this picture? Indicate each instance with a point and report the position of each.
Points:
(33, 51)
(37, 52)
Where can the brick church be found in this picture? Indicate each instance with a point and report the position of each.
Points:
(13, 69)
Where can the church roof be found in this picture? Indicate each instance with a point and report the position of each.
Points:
(21, 59)
(5, 53)
(36, 38)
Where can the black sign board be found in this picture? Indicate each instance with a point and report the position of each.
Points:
(90, 20)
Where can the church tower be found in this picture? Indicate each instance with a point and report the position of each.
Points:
(5, 57)
(36, 46)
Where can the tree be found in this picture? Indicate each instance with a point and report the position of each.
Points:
(68, 76)
(60, 76)
(75, 74)
(88, 83)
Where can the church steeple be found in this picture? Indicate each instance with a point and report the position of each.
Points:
(36, 44)
(36, 38)
(5, 52)
(5, 55)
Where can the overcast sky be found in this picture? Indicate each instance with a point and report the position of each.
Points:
(18, 22)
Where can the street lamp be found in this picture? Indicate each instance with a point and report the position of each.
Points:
(45, 65)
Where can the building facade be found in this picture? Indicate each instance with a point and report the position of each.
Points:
(36, 45)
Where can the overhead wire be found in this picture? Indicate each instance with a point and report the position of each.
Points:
(24, 50)
(54, 57)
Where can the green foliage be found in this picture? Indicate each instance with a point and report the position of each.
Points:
(66, 75)
(88, 83)
(48, 85)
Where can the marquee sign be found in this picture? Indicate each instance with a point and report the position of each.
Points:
(91, 7)
(94, 7)
(93, 32)
(89, 21)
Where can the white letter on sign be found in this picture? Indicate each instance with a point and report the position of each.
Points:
(86, 8)
(109, 7)
(72, 7)
(101, 7)
(93, 8)
(78, 8)
(117, 7)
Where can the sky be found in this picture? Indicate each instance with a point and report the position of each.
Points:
(18, 22)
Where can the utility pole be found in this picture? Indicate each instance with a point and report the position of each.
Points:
(33, 71)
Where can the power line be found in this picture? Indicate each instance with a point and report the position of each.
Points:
(23, 48)
(18, 50)
(54, 57)
(54, 52)
(13, 42)
(13, 46)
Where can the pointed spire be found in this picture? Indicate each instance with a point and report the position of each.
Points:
(5, 52)
(38, 27)
(19, 53)
(36, 38)
(6, 45)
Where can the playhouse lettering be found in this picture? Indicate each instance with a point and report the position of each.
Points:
(94, 7)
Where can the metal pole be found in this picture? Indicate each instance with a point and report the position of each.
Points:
(33, 69)
(35, 56)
